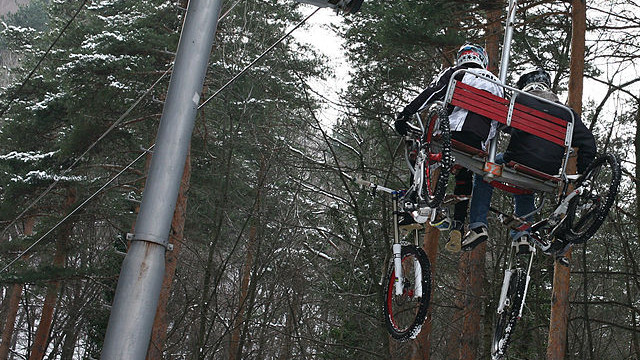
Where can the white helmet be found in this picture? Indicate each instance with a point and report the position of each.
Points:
(472, 53)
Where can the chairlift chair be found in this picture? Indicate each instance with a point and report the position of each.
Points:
(509, 113)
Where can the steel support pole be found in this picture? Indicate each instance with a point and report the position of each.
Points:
(504, 65)
(139, 285)
(508, 36)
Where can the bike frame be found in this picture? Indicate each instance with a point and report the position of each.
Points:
(396, 246)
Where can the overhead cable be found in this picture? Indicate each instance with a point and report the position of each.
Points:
(114, 125)
(25, 251)
(24, 82)
(258, 58)
(70, 167)
(126, 113)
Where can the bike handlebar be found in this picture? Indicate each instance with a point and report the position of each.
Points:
(373, 186)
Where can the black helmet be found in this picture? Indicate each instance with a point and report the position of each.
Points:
(534, 76)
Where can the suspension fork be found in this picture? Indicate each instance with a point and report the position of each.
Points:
(397, 254)
(507, 277)
(397, 248)
(526, 284)
(417, 268)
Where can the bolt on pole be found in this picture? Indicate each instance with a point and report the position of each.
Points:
(140, 281)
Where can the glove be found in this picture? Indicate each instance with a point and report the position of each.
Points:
(401, 125)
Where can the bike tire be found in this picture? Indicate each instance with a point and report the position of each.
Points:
(405, 314)
(438, 158)
(587, 212)
(505, 321)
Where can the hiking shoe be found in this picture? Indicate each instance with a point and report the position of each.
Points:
(455, 237)
(474, 238)
(455, 241)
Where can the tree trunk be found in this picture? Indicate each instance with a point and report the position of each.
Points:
(560, 297)
(70, 338)
(636, 143)
(636, 338)
(578, 30)
(454, 338)
(474, 291)
(160, 325)
(235, 346)
(559, 312)
(12, 301)
(494, 34)
(474, 303)
(59, 259)
(236, 343)
(287, 336)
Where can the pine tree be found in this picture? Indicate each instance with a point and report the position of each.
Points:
(106, 58)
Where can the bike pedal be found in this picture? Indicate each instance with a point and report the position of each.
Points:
(454, 244)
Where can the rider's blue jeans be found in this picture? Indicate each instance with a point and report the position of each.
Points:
(481, 200)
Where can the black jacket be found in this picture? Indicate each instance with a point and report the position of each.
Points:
(474, 123)
(544, 155)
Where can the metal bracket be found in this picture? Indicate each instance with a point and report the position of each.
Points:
(149, 238)
(450, 89)
(512, 105)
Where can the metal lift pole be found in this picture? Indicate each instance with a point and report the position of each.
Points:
(139, 285)
(508, 36)
(504, 66)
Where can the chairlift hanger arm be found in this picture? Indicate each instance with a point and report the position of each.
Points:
(348, 6)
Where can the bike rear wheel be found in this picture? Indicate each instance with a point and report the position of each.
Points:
(437, 143)
(505, 320)
(404, 314)
(587, 211)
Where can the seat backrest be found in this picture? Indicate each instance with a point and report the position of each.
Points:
(511, 114)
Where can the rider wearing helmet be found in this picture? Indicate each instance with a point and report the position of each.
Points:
(535, 152)
(467, 127)
(529, 150)
(475, 59)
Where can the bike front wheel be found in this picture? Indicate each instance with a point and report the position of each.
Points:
(587, 211)
(405, 313)
(507, 316)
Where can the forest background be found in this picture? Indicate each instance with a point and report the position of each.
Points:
(276, 255)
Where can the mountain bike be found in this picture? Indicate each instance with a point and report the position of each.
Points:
(575, 219)
(407, 284)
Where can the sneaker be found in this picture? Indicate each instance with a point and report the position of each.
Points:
(474, 238)
(441, 224)
(558, 247)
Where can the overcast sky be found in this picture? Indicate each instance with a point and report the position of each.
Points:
(319, 35)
